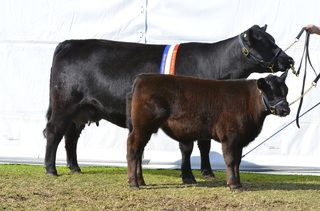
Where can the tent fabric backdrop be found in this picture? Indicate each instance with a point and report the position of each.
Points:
(30, 31)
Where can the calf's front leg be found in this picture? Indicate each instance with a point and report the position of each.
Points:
(232, 156)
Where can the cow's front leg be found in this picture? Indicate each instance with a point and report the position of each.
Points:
(232, 155)
(204, 147)
(186, 172)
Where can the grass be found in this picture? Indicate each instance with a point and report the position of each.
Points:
(26, 187)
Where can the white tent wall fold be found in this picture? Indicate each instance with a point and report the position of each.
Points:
(30, 31)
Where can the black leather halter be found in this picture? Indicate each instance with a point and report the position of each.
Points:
(246, 52)
(271, 106)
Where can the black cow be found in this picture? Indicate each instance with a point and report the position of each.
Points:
(90, 79)
(187, 109)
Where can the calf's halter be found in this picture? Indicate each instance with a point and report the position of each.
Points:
(268, 106)
(271, 107)
(246, 52)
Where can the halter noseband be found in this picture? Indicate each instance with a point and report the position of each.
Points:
(248, 54)
(268, 106)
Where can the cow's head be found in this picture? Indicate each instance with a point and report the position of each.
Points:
(260, 47)
(274, 92)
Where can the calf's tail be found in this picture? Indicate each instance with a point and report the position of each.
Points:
(128, 112)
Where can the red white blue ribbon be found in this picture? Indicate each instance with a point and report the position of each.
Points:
(169, 59)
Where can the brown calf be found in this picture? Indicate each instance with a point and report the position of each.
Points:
(187, 109)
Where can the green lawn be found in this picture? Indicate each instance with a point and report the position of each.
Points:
(26, 187)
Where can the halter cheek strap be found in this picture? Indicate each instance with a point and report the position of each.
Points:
(271, 108)
(246, 52)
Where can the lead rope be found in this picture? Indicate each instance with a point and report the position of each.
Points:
(297, 38)
(306, 56)
(281, 129)
(314, 83)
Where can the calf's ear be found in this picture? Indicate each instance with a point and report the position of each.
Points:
(284, 75)
(262, 84)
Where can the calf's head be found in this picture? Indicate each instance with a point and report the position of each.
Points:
(261, 48)
(274, 92)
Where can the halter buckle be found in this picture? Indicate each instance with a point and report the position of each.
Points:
(245, 51)
(270, 66)
(293, 70)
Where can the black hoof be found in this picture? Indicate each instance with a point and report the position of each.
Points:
(189, 181)
(52, 173)
(207, 174)
(236, 187)
(75, 170)
(134, 186)
(188, 178)
(142, 183)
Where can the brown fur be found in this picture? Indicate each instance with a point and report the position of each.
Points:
(187, 109)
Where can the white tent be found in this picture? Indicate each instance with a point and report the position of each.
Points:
(30, 31)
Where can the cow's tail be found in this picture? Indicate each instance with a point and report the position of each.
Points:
(48, 116)
(49, 112)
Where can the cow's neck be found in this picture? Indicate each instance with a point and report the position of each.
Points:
(236, 65)
(240, 66)
(220, 60)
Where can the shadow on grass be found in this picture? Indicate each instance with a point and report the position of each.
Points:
(258, 183)
(103, 171)
(250, 181)
(289, 186)
(248, 187)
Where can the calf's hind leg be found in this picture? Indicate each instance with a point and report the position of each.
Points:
(135, 147)
(71, 140)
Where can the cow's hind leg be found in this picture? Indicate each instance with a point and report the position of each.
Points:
(71, 141)
(186, 171)
(204, 147)
(54, 132)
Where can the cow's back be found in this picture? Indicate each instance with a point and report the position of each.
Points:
(100, 71)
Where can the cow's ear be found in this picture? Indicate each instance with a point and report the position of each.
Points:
(262, 84)
(283, 76)
(264, 28)
(254, 34)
